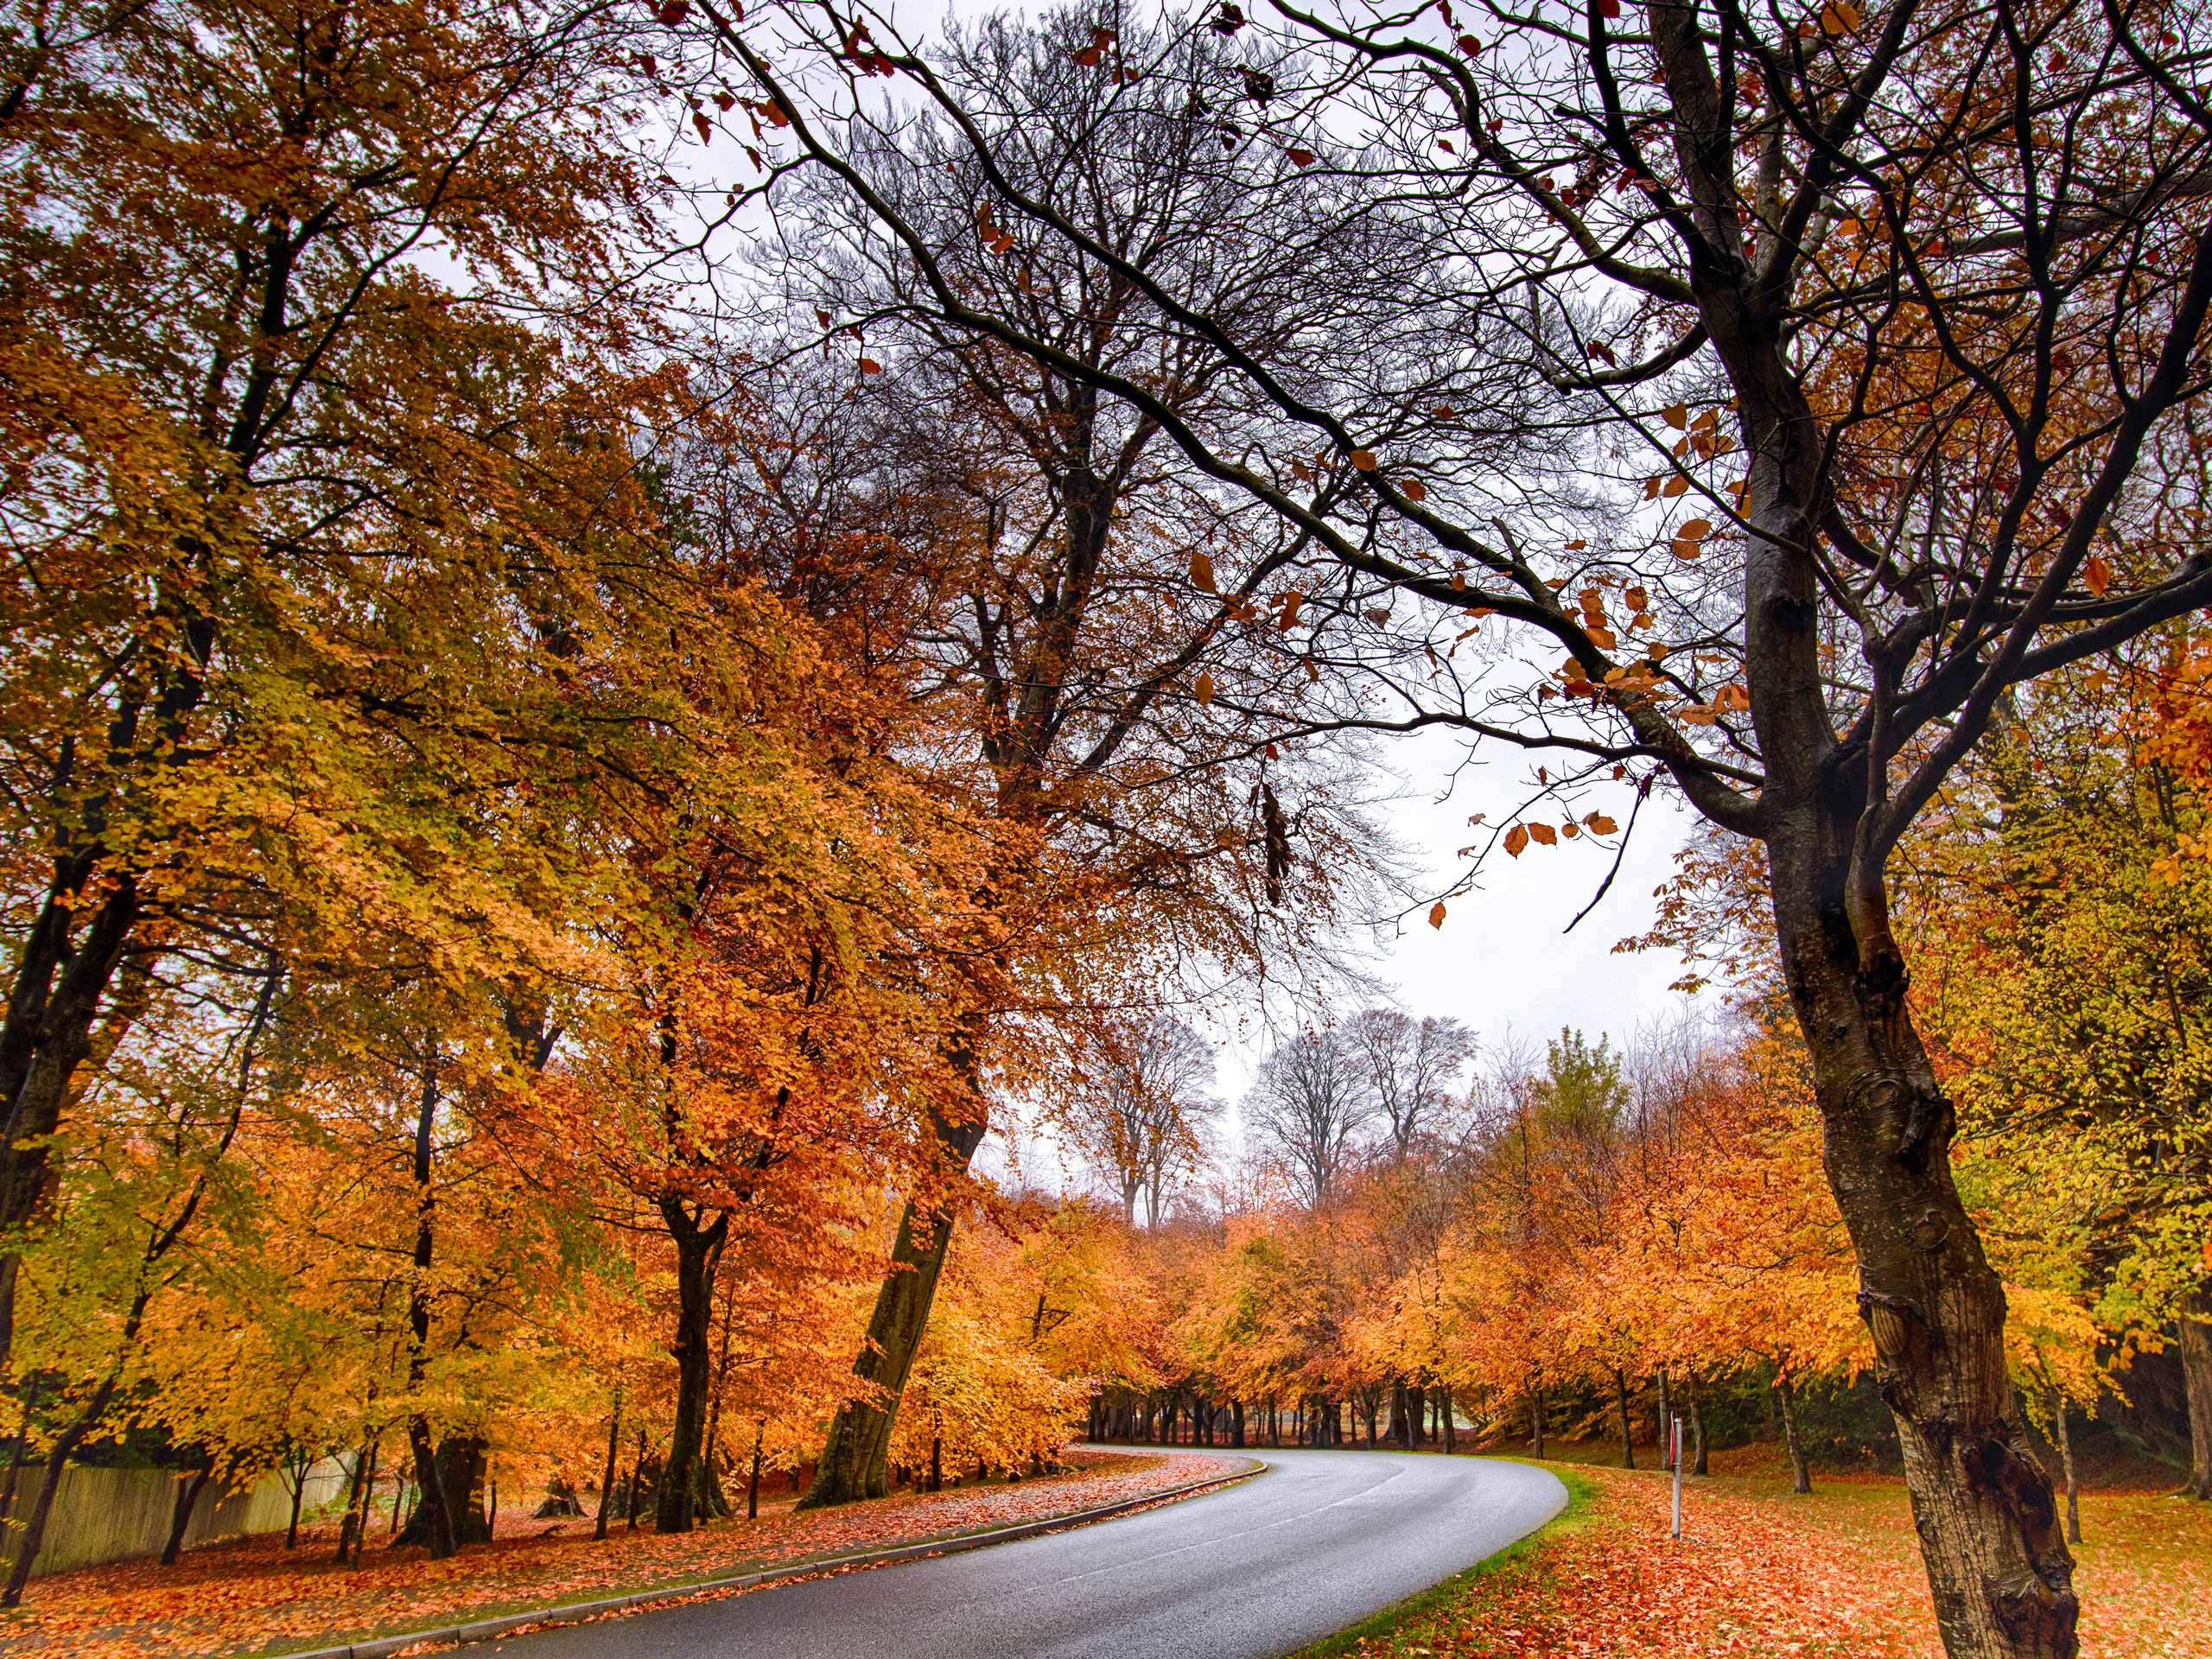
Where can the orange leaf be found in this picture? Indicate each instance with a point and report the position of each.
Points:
(2096, 574)
(1202, 571)
(1203, 689)
(1363, 459)
(1436, 914)
(1543, 834)
(1516, 839)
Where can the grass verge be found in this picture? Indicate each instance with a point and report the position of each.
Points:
(1395, 1630)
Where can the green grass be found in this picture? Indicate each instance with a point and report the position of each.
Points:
(1392, 1624)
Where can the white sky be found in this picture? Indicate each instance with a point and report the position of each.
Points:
(1501, 959)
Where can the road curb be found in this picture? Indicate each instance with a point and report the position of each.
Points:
(487, 1630)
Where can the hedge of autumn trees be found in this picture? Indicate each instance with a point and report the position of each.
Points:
(622, 621)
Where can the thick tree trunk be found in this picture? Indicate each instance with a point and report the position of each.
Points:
(1451, 1428)
(855, 1461)
(1983, 1506)
(2197, 1381)
(698, 1253)
(187, 1499)
(457, 1476)
(1801, 1475)
(1628, 1440)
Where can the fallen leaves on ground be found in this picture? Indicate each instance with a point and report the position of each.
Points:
(1760, 1571)
(255, 1595)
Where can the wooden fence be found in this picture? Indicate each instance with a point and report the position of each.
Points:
(122, 1515)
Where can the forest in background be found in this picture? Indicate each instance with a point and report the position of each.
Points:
(627, 627)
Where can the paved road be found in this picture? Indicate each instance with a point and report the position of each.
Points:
(1318, 1541)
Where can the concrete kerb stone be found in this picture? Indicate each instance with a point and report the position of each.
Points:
(488, 1629)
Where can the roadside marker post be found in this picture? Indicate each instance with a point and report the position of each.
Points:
(1675, 1452)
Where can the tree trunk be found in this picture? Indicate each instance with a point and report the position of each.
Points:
(1983, 1507)
(637, 1484)
(2197, 1381)
(698, 1253)
(2058, 1414)
(299, 1492)
(1536, 1418)
(853, 1461)
(1698, 1465)
(457, 1470)
(354, 1532)
(1451, 1428)
(1236, 1425)
(752, 1479)
(1801, 1475)
(57, 1464)
(606, 1480)
(187, 1500)
(46, 1036)
(433, 1509)
(1628, 1442)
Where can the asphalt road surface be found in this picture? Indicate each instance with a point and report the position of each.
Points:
(1318, 1541)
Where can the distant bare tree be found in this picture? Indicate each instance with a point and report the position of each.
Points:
(1307, 1105)
(1141, 1115)
(1413, 1068)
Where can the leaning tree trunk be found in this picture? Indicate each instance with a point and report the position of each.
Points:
(1982, 1504)
(2197, 1381)
(187, 1500)
(856, 1462)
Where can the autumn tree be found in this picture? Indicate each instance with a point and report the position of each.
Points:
(1870, 333)
(1101, 625)
(1140, 1106)
(304, 431)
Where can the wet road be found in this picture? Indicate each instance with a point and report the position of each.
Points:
(1318, 1541)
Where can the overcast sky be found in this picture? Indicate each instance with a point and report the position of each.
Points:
(1502, 958)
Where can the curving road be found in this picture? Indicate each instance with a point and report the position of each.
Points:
(1318, 1541)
